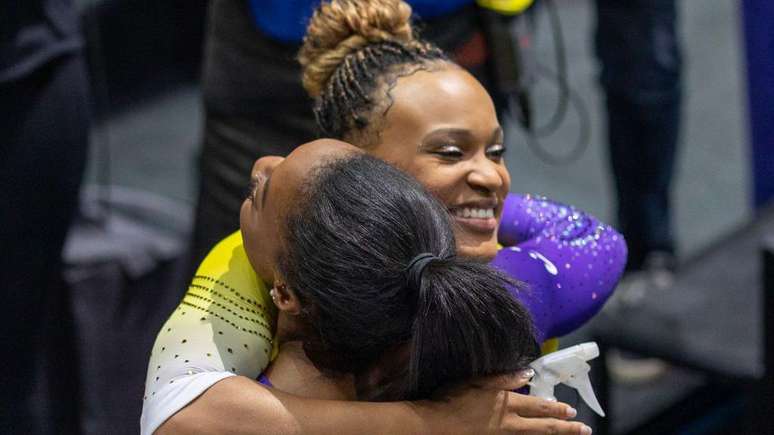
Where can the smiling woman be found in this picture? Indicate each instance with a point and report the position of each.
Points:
(380, 88)
(456, 153)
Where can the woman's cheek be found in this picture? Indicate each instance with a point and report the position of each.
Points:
(505, 175)
(442, 184)
(443, 194)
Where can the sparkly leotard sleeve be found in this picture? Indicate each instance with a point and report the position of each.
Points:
(569, 261)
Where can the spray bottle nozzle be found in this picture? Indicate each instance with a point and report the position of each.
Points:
(569, 367)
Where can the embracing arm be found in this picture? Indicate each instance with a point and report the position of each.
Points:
(570, 261)
(240, 406)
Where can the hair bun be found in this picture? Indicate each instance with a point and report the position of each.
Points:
(341, 27)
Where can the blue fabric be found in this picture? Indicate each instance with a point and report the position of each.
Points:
(285, 20)
(759, 41)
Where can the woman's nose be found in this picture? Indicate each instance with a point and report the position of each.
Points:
(485, 175)
(265, 163)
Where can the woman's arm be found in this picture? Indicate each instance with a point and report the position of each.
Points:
(570, 260)
(240, 406)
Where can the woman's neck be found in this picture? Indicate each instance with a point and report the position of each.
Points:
(294, 373)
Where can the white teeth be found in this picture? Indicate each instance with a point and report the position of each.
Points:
(474, 213)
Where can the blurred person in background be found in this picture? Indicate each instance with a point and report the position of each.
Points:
(44, 128)
(251, 72)
(639, 53)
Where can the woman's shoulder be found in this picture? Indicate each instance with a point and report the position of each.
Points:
(228, 261)
(227, 273)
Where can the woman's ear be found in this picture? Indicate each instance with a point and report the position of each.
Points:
(284, 298)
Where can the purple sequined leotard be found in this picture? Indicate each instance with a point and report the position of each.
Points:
(569, 260)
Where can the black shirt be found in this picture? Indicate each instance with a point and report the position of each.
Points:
(34, 32)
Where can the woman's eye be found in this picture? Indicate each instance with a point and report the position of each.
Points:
(496, 151)
(252, 187)
(450, 151)
(255, 184)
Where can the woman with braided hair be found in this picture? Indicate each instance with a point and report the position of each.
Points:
(400, 99)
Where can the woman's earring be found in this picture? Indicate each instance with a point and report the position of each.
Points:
(273, 294)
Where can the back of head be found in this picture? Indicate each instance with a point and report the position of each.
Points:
(353, 49)
(359, 225)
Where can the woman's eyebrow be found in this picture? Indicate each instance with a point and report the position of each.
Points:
(497, 135)
(458, 133)
(463, 133)
(451, 132)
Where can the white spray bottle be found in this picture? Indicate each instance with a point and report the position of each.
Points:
(567, 366)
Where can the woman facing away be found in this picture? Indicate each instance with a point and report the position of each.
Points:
(399, 99)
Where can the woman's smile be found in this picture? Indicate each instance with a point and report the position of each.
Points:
(477, 216)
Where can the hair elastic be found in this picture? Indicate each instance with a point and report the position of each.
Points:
(415, 268)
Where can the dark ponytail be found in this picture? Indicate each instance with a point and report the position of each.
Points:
(359, 224)
(467, 324)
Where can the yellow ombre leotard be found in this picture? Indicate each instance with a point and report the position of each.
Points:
(223, 326)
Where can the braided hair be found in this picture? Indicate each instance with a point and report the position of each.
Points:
(353, 53)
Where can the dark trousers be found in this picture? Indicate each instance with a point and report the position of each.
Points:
(43, 144)
(639, 52)
(255, 106)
